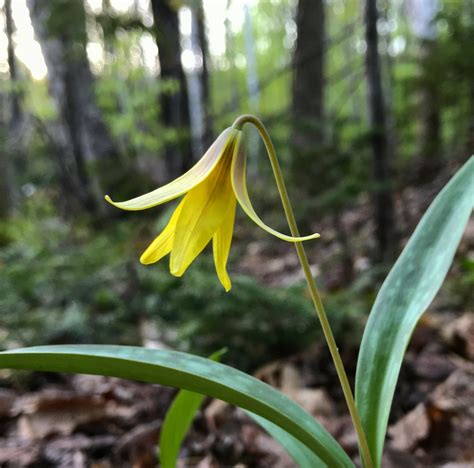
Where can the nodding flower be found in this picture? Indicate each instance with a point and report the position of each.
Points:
(211, 189)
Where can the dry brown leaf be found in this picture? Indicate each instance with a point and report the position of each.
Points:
(19, 453)
(456, 394)
(460, 335)
(217, 413)
(315, 401)
(393, 458)
(434, 367)
(56, 412)
(411, 429)
(264, 446)
(207, 462)
(7, 400)
(138, 446)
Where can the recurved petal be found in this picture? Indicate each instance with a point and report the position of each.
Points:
(239, 185)
(182, 184)
(163, 244)
(203, 212)
(221, 242)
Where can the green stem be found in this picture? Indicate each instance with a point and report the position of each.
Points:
(315, 296)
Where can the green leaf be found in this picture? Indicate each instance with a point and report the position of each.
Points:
(189, 372)
(303, 457)
(182, 411)
(406, 293)
(178, 420)
(176, 425)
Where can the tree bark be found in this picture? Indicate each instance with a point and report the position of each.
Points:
(308, 90)
(15, 96)
(430, 144)
(230, 55)
(381, 157)
(6, 178)
(198, 109)
(308, 106)
(174, 99)
(253, 87)
(422, 16)
(205, 82)
(88, 151)
(10, 124)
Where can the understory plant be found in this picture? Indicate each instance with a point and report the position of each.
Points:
(211, 190)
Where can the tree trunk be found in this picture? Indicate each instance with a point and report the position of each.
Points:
(15, 95)
(251, 59)
(88, 151)
(422, 21)
(430, 144)
(382, 173)
(174, 99)
(230, 56)
(6, 179)
(10, 124)
(195, 82)
(205, 82)
(308, 90)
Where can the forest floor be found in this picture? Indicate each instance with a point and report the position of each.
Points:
(90, 421)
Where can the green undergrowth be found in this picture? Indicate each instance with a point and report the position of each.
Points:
(67, 283)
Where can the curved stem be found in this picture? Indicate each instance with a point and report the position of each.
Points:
(315, 296)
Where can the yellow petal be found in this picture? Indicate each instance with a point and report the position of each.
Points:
(221, 242)
(203, 211)
(182, 184)
(239, 185)
(163, 244)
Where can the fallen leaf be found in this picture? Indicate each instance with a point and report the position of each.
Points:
(411, 429)
(56, 412)
(460, 335)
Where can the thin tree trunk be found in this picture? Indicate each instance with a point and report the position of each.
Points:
(88, 150)
(251, 59)
(10, 124)
(382, 173)
(308, 77)
(308, 90)
(230, 56)
(15, 96)
(6, 186)
(353, 81)
(429, 155)
(195, 85)
(430, 144)
(205, 82)
(174, 102)
(6, 179)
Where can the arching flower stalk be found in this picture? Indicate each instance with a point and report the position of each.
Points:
(211, 189)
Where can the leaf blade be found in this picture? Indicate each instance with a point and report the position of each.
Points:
(406, 293)
(304, 457)
(181, 370)
(178, 420)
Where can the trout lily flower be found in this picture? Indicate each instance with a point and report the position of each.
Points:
(211, 189)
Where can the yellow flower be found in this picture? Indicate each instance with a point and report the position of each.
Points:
(211, 189)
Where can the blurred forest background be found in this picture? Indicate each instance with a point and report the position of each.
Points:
(371, 109)
(367, 109)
